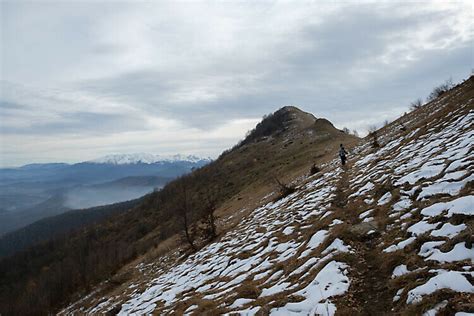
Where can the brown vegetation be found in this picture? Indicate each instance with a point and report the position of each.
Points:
(49, 276)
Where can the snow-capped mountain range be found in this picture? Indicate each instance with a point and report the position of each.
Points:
(146, 158)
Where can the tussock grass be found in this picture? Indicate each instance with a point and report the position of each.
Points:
(248, 289)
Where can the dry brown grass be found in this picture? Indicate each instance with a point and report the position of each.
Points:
(248, 289)
(207, 308)
(457, 302)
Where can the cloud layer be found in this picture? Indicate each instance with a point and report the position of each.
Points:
(83, 79)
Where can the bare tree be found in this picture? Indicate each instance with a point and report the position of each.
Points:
(184, 212)
(314, 169)
(440, 90)
(285, 189)
(416, 104)
(373, 135)
(209, 229)
(372, 128)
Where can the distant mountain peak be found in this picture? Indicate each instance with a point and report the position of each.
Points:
(291, 116)
(287, 119)
(145, 158)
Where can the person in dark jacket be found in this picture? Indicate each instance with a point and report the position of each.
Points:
(342, 155)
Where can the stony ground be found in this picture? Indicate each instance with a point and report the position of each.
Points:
(391, 233)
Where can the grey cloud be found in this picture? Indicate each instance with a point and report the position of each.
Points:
(83, 123)
(6, 106)
(318, 76)
(331, 66)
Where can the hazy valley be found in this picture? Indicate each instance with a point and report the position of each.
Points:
(32, 192)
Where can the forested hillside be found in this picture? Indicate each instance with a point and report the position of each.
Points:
(46, 277)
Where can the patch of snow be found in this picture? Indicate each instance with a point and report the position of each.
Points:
(365, 214)
(457, 164)
(240, 302)
(331, 281)
(458, 253)
(368, 219)
(456, 175)
(421, 228)
(248, 312)
(452, 280)
(436, 309)
(397, 296)
(317, 239)
(338, 245)
(385, 199)
(369, 201)
(364, 160)
(463, 205)
(335, 222)
(308, 264)
(399, 271)
(326, 214)
(451, 188)
(262, 275)
(277, 288)
(402, 244)
(288, 230)
(191, 308)
(405, 216)
(448, 230)
(367, 187)
(428, 170)
(428, 248)
(401, 205)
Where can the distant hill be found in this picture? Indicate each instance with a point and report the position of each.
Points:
(104, 169)
(11, 221)
(123, 189)
(35, 191)
(56, 226)
(82, 197)
(288, 120)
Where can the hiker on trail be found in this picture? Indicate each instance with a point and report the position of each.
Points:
(342, 155)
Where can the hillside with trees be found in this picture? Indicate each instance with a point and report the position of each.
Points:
(48, 276)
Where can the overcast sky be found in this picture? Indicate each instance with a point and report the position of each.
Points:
(81, 79)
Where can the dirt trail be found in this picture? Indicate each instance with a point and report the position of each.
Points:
(368, 293)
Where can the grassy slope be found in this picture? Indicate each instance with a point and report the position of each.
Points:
(373, 280)
(44, 278)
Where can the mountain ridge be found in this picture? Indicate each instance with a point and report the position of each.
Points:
(291, 121)
(389, 235)
(240, 176)
(119, 159)
(134, 158)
